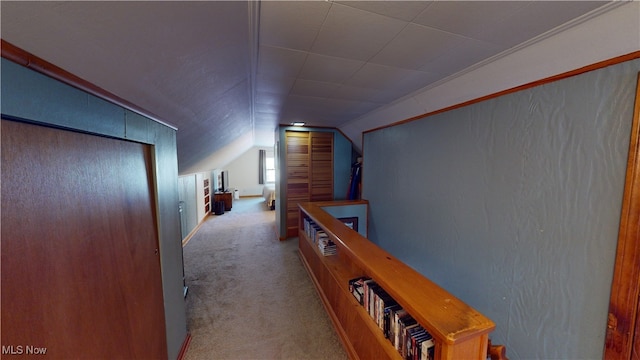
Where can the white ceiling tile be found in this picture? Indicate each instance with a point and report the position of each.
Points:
(328, 68)
(274, 84)
(355, 34)
(363, 94)
(353, 107)
(402, 10)
(416, 80)
(378, 76)
(291, 24)
(415, 46)
(466, 54)
(314, 88)
(266, 119)
(304, 102)
(467, 18)
(275, 61)
(517, 27)
(266, 108)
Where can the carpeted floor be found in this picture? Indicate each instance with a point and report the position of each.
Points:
(249, 295)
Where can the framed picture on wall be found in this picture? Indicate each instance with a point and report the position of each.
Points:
(351, 222)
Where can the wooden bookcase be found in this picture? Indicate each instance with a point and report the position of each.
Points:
(460, 332)
(207, 199)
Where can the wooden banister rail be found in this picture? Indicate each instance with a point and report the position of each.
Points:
(459, 330)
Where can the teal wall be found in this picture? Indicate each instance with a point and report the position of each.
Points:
(357, 210)
(33, 97)
(342, 155)
(513, 205)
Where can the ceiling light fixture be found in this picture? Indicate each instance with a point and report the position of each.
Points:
(297, 123)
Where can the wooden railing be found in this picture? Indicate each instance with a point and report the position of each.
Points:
(459, 331)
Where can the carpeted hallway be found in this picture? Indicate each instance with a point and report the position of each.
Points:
(249, 295)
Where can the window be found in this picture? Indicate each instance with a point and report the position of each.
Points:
(266, 167)
(270, 168)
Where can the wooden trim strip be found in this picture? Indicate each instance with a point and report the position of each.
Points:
(30, 61)
(625, 289)
(582, 70)
(185, 241)
(185, 347)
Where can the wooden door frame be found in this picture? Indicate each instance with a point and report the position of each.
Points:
(622, 325)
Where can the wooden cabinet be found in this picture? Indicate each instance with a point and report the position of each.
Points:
(459, 331)
(309, 172)
(227, 197)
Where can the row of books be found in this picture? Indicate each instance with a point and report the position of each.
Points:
(411, 340)
(326, 246)
(312, 229)
(319, 237)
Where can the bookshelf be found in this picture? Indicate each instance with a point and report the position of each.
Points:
(459, 331)
(207, 200)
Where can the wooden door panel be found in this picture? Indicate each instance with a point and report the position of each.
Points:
(80, 267)
(297, 176)
(623, 327)
(321, 166)
(323, 156)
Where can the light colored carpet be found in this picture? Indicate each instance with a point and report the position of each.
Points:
(249, 294)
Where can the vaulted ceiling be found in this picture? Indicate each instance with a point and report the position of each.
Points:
(226, 73)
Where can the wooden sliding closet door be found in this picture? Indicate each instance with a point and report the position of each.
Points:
(309, 174)
(321, 166)
(80, 265)
(297, 148)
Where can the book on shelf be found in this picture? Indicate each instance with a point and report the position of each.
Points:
(410, 339)
(394, 337)
(406, 345)
(371, 308)
(405, 323)
(412, 334)
(311, 229)
(428, 349)
(389, 314)
(424, 347)
(356, 288)
(385, 302)
(326, 246)
(365, 289)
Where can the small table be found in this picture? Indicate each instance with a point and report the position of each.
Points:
(227, 197)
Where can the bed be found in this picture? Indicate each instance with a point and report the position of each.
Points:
(269, 195)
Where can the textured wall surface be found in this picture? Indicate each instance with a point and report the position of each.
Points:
(513, 205)
(359, 211)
